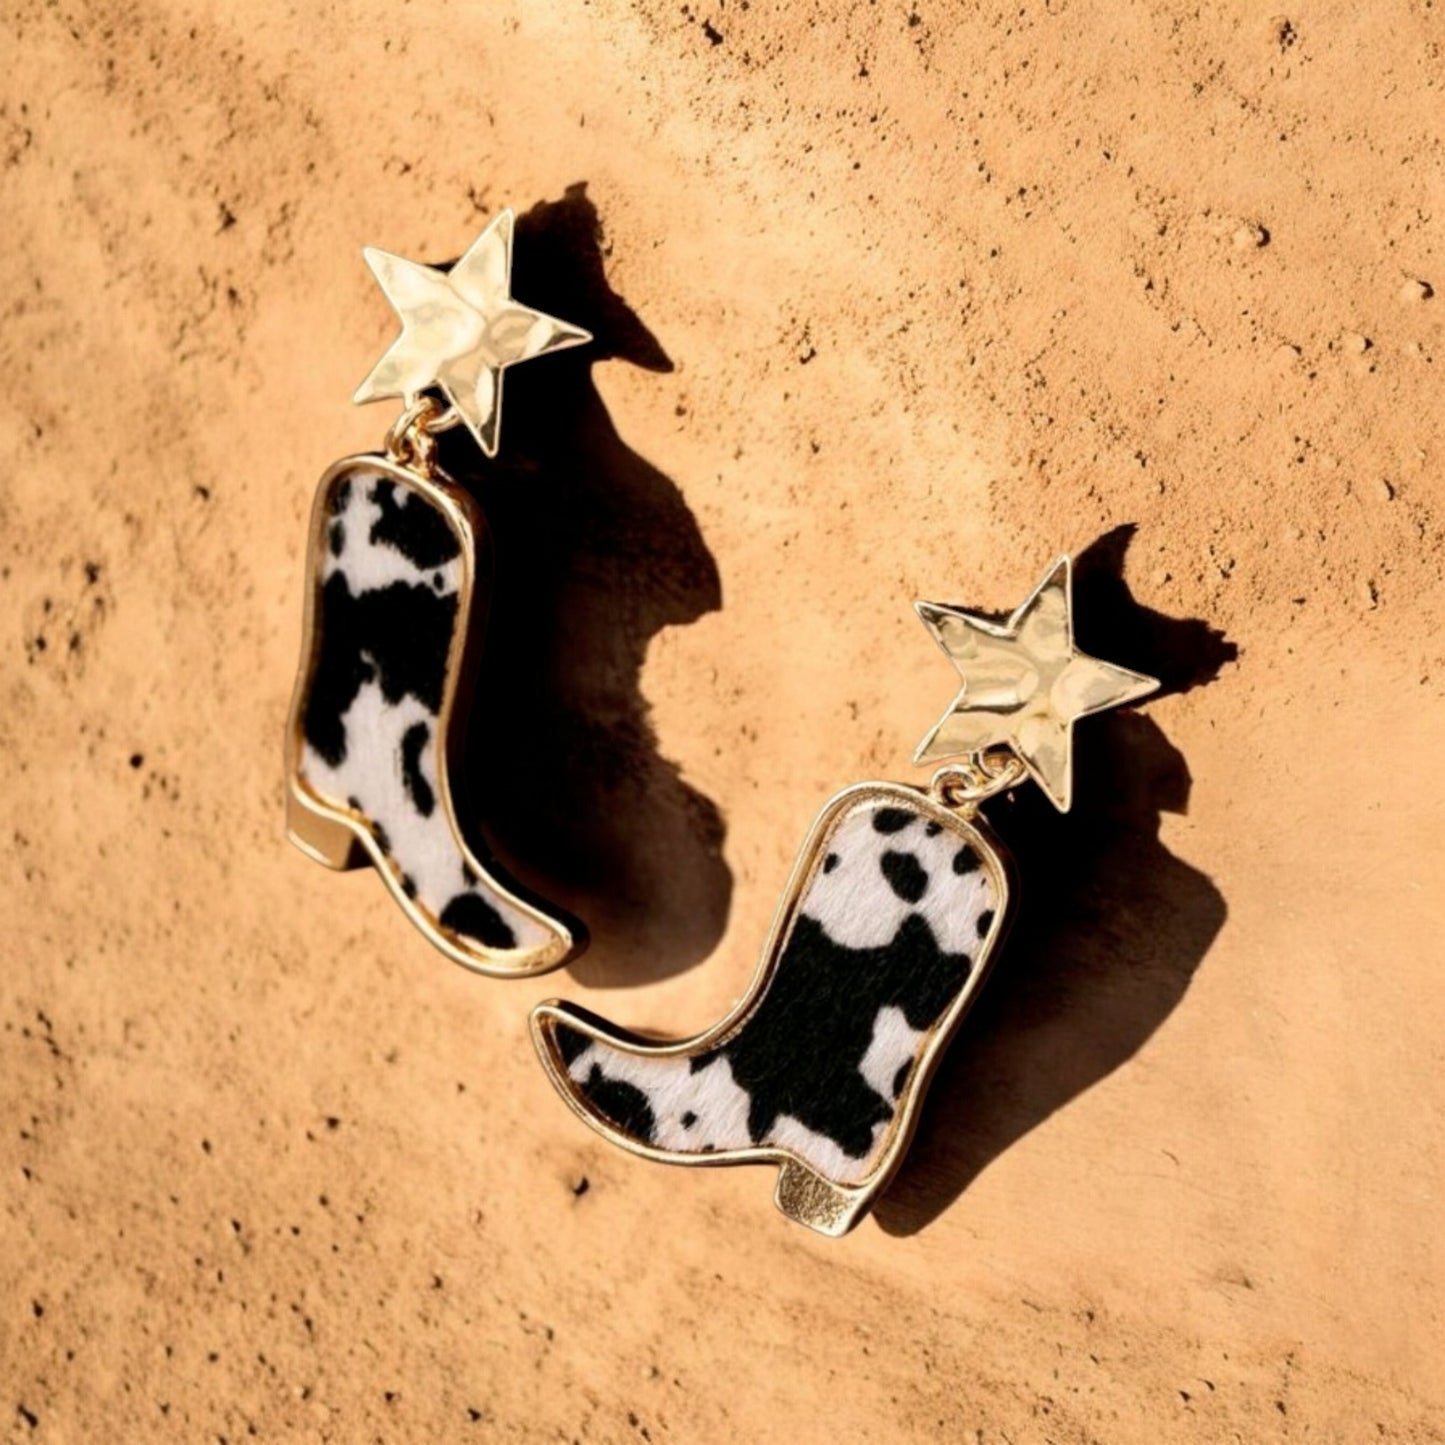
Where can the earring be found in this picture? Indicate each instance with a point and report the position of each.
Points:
(398, 567)
(886, 930)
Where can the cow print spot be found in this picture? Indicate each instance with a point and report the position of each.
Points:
(985, 921)
(622, 1104)
(472, 915)
(419, 532)
(965, 860)
(399, 636)
(934, 828)
(689, 1119)
(892, 820)
(336, 536)
(413, 740)
(905, 875)
(571, 1043)
(901, 1077)
(812, 1073)
(830, 862)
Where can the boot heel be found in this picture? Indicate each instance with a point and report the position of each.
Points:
(807, 1198)
(327, 840)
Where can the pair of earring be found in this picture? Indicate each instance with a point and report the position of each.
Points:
(900, 895)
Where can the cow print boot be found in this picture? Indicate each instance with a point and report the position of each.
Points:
(884, 934)
(394, 615)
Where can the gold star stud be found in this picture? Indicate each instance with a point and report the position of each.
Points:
(1025, 684)
(460, 330)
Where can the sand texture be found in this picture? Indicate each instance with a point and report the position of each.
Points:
(889, 302)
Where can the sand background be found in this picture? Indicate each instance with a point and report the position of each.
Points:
(890, 302)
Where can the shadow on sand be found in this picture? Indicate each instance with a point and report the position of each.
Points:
(1109, 926)
(595, 552)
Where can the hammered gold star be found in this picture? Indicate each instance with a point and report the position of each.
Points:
(1025, 684)
(460, 330)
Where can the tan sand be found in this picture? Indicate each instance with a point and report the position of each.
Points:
(944, 292)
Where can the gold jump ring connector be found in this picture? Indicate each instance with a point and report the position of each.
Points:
(963, 786)
(411, 442)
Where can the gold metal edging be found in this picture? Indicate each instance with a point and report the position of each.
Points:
(801, 1192)
(331, 834)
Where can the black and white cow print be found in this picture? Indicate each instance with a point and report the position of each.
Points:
(888, 930)
(391, 588)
